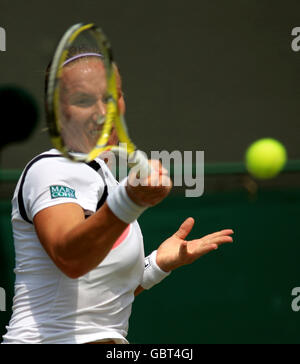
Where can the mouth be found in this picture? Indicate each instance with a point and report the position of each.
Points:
(100, 120)
(94, 128)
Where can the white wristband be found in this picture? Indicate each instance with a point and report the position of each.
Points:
(122, 206)
(152, 273)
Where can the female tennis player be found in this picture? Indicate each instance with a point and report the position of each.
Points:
(79, 249)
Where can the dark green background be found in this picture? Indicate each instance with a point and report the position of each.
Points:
(238, 294)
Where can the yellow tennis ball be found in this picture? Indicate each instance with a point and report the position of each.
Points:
(265, 158)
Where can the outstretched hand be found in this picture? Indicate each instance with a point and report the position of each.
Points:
(176, 251)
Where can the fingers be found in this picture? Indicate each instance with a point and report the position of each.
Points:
(219, 237)
(221, 240)
(149, 190)
(219, 233)
(154, 179)
(211, 242)
(158, 179)
(188, 253)
(185, 228)
(208, 249)
(157, 166)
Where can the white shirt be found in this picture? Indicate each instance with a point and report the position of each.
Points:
(49, 307)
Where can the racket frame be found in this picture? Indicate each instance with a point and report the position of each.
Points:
(112, 116)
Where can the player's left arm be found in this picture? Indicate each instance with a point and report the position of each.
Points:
(176, 251)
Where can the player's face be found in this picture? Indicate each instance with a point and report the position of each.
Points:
(83, 101)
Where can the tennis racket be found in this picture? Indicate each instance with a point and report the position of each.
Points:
(82, 99)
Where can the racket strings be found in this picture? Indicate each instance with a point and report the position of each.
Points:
(83, 95)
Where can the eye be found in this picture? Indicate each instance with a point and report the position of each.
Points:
(83, 100)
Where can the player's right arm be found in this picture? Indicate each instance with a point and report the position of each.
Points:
(77, 245)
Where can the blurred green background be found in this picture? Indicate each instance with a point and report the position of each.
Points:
(198, 75)
(238, 294)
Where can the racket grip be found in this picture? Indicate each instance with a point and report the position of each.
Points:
(139, 160)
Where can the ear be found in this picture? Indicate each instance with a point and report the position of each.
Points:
(121, 102)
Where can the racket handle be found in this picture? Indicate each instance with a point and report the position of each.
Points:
(139, 160)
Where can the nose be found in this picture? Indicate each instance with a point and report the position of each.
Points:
(100, 112)
(101, 107)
